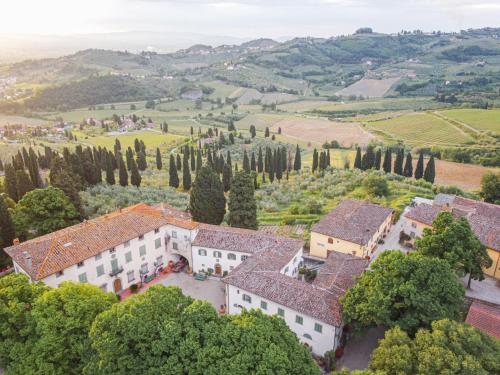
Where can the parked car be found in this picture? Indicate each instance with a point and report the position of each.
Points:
(180, 265)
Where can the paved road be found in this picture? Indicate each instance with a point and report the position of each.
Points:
(358, 349)
(486, 290)
(391, 241)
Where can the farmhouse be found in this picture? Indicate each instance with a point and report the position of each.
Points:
(353, 227)
(484, 219)
(258, 270)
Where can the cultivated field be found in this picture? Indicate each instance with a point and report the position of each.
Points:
(320, 130)
(480, 119)
(465, 176)
(152, 139)
(421, 129)
(20, 120)
(372, 88)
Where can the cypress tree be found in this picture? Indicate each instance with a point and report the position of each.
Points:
(419, 170)
(178, 162)
(7, 232)
(398, 164)
(210, 160)
(158, 159)
(199, 161)
(242, 205)
(192, 159)
(271, 167)
(370, 158)
(227, 175)
(172, 171)
(122, 172)
(378, 159)
(110, 173)
(228, 159)
(186, 174)
(141, 161)
(135, 176)
(278, 165)
(430, 170)
(297, 163)
(315, 161)
(11, 182)
(23, 183)
(260, 161)
(118, 145)
(357, 161)
(1, 166)
(253, 164)
(388, 161)
(328, 160)
(33, 169)
(60, 176)
(207, 201)
(246, 162)
(408, 169)
(137, 145)
(263, 177)
(252, 131)
(363, 162)
(267, 160)
(129, 155)
(284, 165)
(266, 134)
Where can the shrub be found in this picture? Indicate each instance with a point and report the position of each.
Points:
(134, 288)
(376, 185)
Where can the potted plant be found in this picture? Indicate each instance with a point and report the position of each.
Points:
(134, 288)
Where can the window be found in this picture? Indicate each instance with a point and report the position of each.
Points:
(100, 270)
(157, 230)
(59, 274)
(186, 238)
(128, 257)
(80, 264)
(231, 268)
(174, 246)
(142, 250)
(244, 257)
(114, 265)
(141, 237)
(112, 250)
(98, 256)
(159, 260)
(307, 336)
(104, 288)
(286, 270)
(157, 243)
(202, 252)
(294, 260)
(330, 240)
(281, 312)
(144, 268)
(82, 277)
(126, 244)
(318, 327)
(413, 225)
(321, 244)
(412, 234)
(217, 254)
(231, 256)
(130, 276)
(263, 305)
(299, 319)
(247, 298)
(174, 234)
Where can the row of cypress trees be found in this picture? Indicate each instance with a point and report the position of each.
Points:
(372, 160)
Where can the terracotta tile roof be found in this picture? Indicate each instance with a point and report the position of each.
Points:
(61, 249)
(240, 240)
(319, 299)
(484, 218)
(176, 217)
(353, 221)
(485, 318)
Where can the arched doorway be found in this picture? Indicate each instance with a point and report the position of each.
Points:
(117, 285)
(218, 269)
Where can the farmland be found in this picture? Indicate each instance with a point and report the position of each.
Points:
(372, 88)
(480, 119)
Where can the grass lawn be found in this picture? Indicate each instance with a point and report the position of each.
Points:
(421, 129)
(481, 119)
(152, 139)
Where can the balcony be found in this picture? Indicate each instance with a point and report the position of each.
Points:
(116, 271)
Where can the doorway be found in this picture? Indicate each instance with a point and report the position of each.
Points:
(117, 285)
(218, 269)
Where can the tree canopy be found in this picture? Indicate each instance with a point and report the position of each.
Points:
(207, 201)
(410, 291)
(490, 187)
(242, 205)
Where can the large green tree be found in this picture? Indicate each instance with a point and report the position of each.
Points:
(173, 180)
(23, 183)
(207, 201)
(43, 211)
(122, 172)
(297, 163)
(456, 243)
(7, 231)
(242, 205)
(490, 187)
(10, 182)
(449, 347)
(410, 291)
(61, 177)
(135, 176)
(430, 170)
(158, 158)
(419, 170)
(186, 173)
(408, 168)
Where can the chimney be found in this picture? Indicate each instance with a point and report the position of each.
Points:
(29, 263)
(15, 242)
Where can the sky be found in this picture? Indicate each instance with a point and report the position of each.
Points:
(244, 18)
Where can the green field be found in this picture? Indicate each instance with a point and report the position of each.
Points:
(420, 129)
(480, 119)
(152, 139)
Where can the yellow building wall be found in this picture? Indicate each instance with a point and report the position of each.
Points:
(494, 270)
(320, 246)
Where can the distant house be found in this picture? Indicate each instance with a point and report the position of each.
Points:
(484, 219)
(485, 317)
(353, 227)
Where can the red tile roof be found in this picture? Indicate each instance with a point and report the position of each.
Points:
(485, 318)
(56, 251)
(353, 220)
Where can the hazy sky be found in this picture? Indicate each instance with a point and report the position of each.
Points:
(244, 18)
